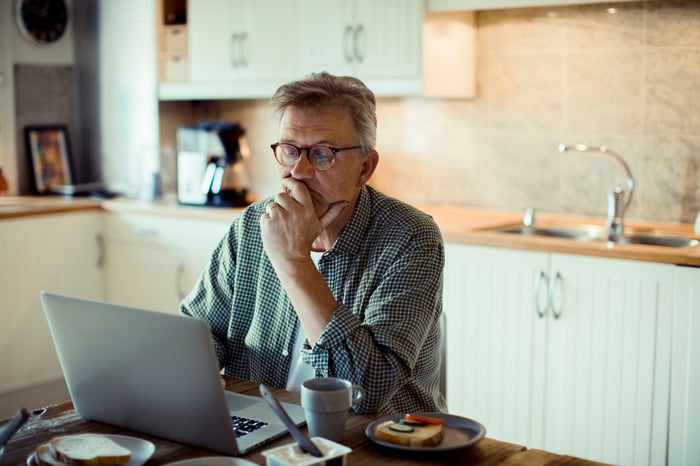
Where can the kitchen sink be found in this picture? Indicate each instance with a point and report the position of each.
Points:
(669, 241)
(578, 232)
(589, 232)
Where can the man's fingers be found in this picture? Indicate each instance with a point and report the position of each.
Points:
(297, 191)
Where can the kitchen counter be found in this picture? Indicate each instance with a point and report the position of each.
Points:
(458, 224)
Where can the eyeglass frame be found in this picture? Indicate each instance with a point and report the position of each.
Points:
(307, 149)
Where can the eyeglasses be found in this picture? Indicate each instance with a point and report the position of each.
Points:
(320, 156)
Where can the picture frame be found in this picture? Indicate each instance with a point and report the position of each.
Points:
(49, 151)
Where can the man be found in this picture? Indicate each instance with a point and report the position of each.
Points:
(329, 277)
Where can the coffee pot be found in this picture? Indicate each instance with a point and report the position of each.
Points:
(212, 164)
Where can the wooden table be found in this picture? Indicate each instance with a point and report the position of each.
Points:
(62, 419)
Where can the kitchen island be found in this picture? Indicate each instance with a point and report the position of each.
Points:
(61, 419)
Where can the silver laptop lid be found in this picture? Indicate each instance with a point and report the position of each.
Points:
(141, 370)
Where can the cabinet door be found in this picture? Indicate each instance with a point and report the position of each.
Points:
(606, 361)
(212, 28)
(327, 44)
(55, 253)
(684, 428)
(144, 277)
(489, 302)
(363, 38)
(242, 40)
(154, 261)
(389, 41)
(267, 49)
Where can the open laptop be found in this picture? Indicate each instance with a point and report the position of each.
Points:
(155, 373)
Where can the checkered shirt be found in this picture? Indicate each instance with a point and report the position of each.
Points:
(385, 271)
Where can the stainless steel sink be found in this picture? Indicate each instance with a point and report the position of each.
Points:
(669, 241)
(589, 232)
(582, 232)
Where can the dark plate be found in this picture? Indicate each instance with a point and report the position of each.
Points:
(460, 432)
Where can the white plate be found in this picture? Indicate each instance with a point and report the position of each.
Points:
(213, 461)
(460, 432)
(141, 450)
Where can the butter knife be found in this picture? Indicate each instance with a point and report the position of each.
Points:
(12, 427)
(302, 439)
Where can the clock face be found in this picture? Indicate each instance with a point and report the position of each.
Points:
(42, 21)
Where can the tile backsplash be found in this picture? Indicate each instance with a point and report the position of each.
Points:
(621, 75)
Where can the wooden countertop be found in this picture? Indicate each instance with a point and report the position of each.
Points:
(62, 419)
(458, 224)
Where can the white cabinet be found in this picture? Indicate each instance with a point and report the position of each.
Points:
(684, 428)
(379, 42)
(59, 253)
(154, 261)
(242, 41)
(247, 48)
(488, 304)
(567, 353)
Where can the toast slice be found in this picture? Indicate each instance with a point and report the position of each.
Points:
(43, 456)
(428, 435)
(88, 450)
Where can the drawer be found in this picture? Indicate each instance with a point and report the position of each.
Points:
(165, 232)
(174, 39)
(173, 67)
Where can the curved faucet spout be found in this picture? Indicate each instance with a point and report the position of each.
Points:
(604, 150)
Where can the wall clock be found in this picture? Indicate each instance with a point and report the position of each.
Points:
(42, 22)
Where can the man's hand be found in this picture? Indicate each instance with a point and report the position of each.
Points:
(288, 229)
(290, 225)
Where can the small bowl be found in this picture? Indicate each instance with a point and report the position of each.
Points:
(334, 454)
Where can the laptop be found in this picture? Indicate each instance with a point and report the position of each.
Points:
(155, 373)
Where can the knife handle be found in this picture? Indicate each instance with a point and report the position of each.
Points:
(12, 426)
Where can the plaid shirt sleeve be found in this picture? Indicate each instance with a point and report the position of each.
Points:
(385, 270)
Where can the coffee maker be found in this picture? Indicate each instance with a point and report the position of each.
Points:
(211, 167)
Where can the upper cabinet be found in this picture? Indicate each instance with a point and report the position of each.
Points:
(241, 40)
(237, 48)
(379, 42)
(247, 48)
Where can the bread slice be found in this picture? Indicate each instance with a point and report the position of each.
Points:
(43, 456)
(428, 435)
(88, 450)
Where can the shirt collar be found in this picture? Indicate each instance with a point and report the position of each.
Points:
(353, 234)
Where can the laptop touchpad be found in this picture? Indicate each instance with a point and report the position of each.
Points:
(237, 402)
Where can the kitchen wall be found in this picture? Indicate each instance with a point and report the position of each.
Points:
(623, 75)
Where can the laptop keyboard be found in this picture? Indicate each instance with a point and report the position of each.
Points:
(243, 426)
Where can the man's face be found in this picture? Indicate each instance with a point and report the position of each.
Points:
(342, 182)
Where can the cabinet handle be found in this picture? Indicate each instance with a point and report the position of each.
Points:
(178, 281)
(100, 250)
(540, 278)
(242, 55)
(553, 286)
(359, 33)
(232, 50)
(347, 53)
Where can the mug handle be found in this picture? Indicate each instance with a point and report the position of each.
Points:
(357, 393)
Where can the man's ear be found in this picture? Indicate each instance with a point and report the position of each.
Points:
(369, 164)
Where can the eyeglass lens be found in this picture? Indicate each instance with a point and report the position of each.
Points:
(321, 157)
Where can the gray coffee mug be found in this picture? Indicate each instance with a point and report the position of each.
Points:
(326, 402)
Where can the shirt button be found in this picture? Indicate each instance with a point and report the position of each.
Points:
(285, 353)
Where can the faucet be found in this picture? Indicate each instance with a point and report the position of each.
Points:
(617, 204)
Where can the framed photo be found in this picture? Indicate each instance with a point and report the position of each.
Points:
(49, 151)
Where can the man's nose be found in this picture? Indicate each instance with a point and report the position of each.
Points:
(303, 167)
